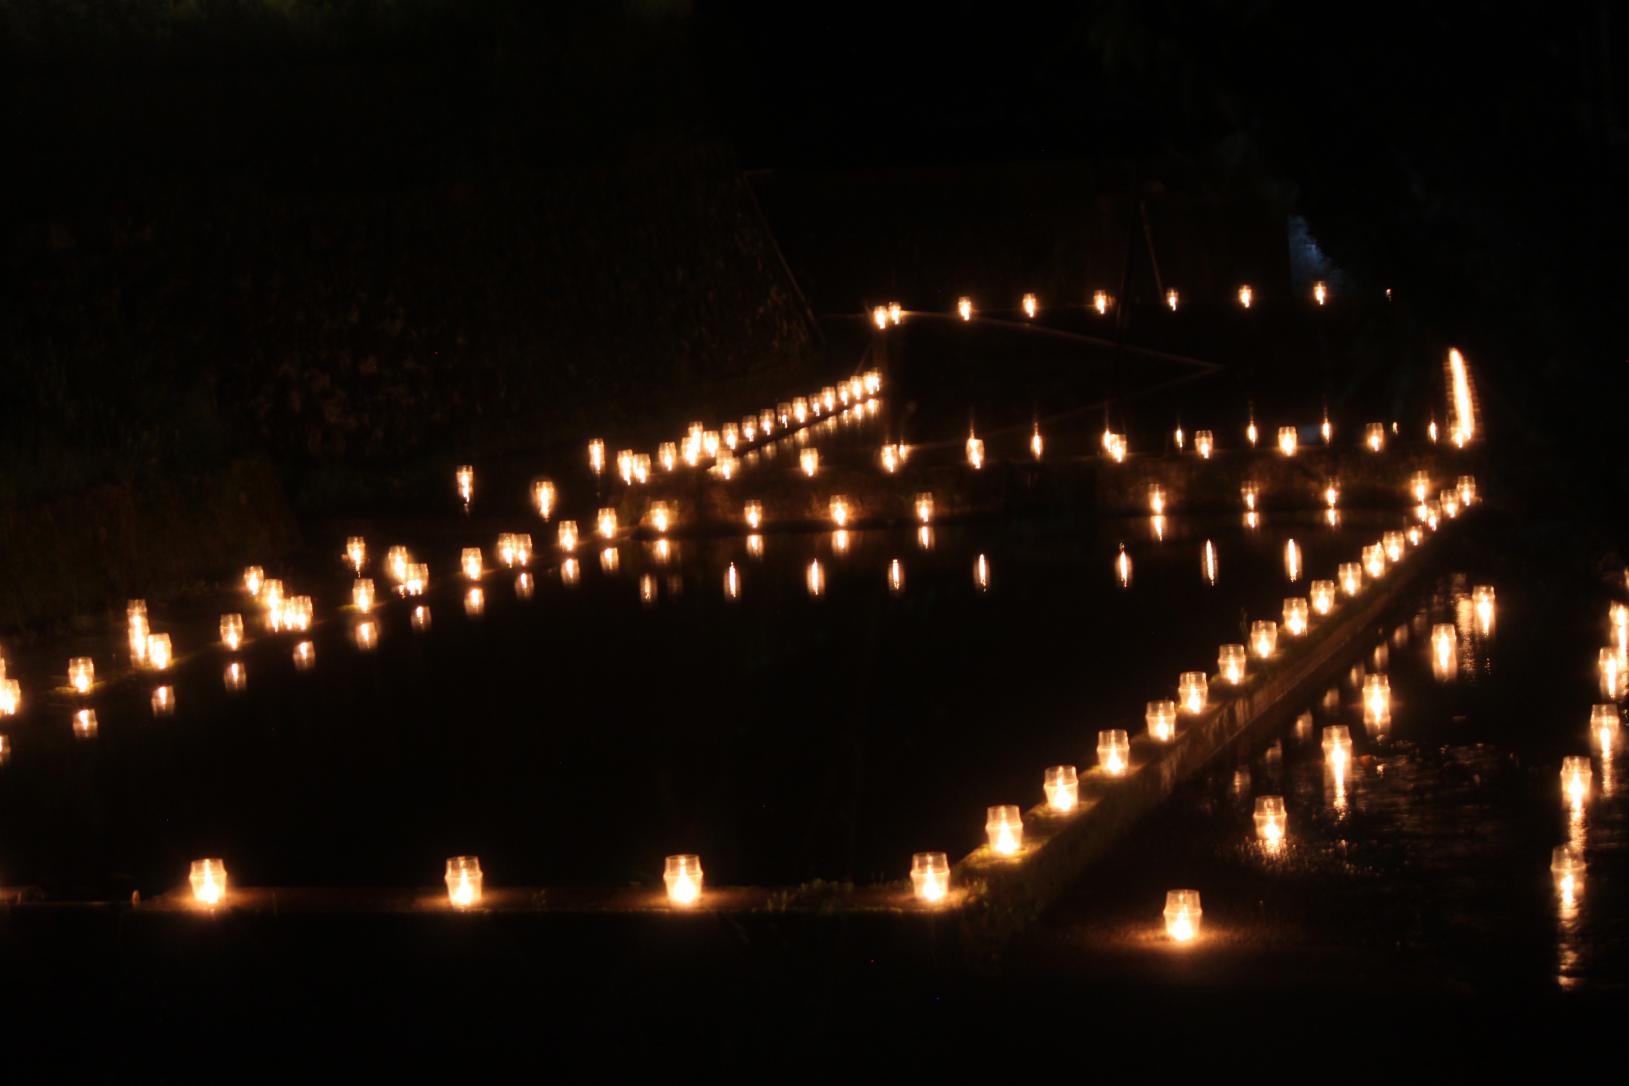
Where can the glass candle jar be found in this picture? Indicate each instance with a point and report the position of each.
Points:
(464, 881)
(1160, 717)
(930, 877)
(1193, 689)
(1062, 787)
(683, 877)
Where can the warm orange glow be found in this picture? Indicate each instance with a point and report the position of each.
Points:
(253, 578)
(879, 317)
(1207, 562)
(1376, 700)
(1295, 616)
(208, 879)
(421, 618)
(930, 876)
(1251, 434)
(814, 577)
(366, 635)
(1462, 401)
(683, 876)
(81, 674)
(809, 461)
(964, 308)
(1101, 301)
(464, 882)
(839, 510)
(1246, 296)
(1326, 429)
(1160, 717)
(163, 701)
(1575, 781)
(567, 535)
(1230, 664)
(1031, 306)
(232, 631)
(1182, 915)
(1113, 752)
(1156, 499)
(975, 452)
(1264, 638)
(1292, 560)
(1567, 869)
(514, 549)
(1322, 594)
(606, 523)
(470, 562)
(1204, 443)
(85, 726)
(1062, 787)
(1035, 443)
(1122, 567)
(894, 314)
(610, 559)
(1004, 829)
(465, 478)
(356, 552)
(1374, 560)
(896, 576)
(236, 676)
(732, 583)
(596, 456)
(981, 573)
(1272, 823)
(1444, 650)
(1287, 440)
(305, 655)
(158, 651)
(1350, 576)
(361, 595)
(474, 601)
(11, 697)
(1171, 300)
(1320, 292)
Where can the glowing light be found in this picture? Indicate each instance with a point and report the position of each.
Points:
(879, 317)
(809, 461)
(253, 578)
(1122, 567)
(1272, 822)
(755, 545)
(1466, 488)
(814, 577)
(514, 549)
(596, 456)
(1287, 440)
(1575, 781)
(1004, 830)
(894, 313)
(356, 552)
(732, 583)
(975, 452)
(1322, 594)
(208, 879)
(361, 595)
(464, 881)
(1160, 716)
(981, 573)
(1374, 560)
(625, 466)
(1292, 560)
(305, 655)
(1327, 430)
(474, 601)
(1246, 296)
(1156, 524)
(85, 726)
(1295, 616)
(838, 508)
(1207, 562)
(1101, 301)
(421, 618)
(610, 559)
(1448, 502)
(1249, 493)
(366, 635)
(1431, 431)
(964, 308)
(1031, 306)
(1320, 292)
(567, 535)
(1204, 443)
(11, 697)
(1444, 650)
(163, 701)
(1178, 437)
(1183, 915)
(1230, 664)
(81, 674)
(470, 561)
(683, 876)
(606, 523)
(158, 651)
(1337, 744)
(1251, 434)
(1115, 444)
(896, 577)
(1113, 752)
(930, 876)
(1462, 416)
(1264, 638)
(1062, 787)
(1035, 443)
(1376, 700)
(1567, 870)
(1193, 689)
(1171, 300)
(236, 677)
(1350, 576)
(415, 580)
(1156, 499)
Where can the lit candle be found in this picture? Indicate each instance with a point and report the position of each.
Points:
(596, 456)
(1031, 306)
(1204, 443)
(236, 677)
(5, 750)
(1182, 911)
(1292, 561)
(732, 583)
(1322, 595)
(85, 724)
(396, 562)
(896, 577)
(298, 613)
(366, 635)
(81, 674)
(683, 877)
(641, 468)
(755, 545)
(356, 552)
(1444, 646)
(474, 602)
(1376, 700)
(667, 454)
(1287, 440)
(416, 580)
(1350, 575)
(879, 317)
(1122, 567)
(362, 594)
(730, 435)
(1272, 823)
(1332, 494)
(1246, 296)
(1394, 544)
(1178, 437)
(305, 655)
(800, 410)
(158, 651)
(1295, 616)
(1326, 429)
(1567, 869)
(809, 461)
(975, 452)
(1604, 723)
(463, 881)
(1320, 292)
(1004, 829)
(930, 876)
(1419, 485)
(1156, 499)
(1374, 436)
(1249, 492)
(163, 701)
(523, 586)
(11, 697)
(839, 510)
(1035, 442)
(1448, 502)
(1337, 743)
(1207, 562)
(1374, 560)
(465, 477)
(1171, 300)
(543, 497)
(567, 535)
(1113, 751)
(253, 577)
(1414, 535)
(1575, 780)
(1264, 637)
(964, 308)
(1482, 605)
(606, 523)
(981, 573)
(421, 618)
(1466, 488)
(1230, 664)
(814, 577)
(890, 458)
(1161, 719)
(894, 313)
(1193, 689)
(1117, 448)
(1062, 787)
(208, 880)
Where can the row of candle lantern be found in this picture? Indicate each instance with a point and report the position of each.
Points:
(892, 314)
